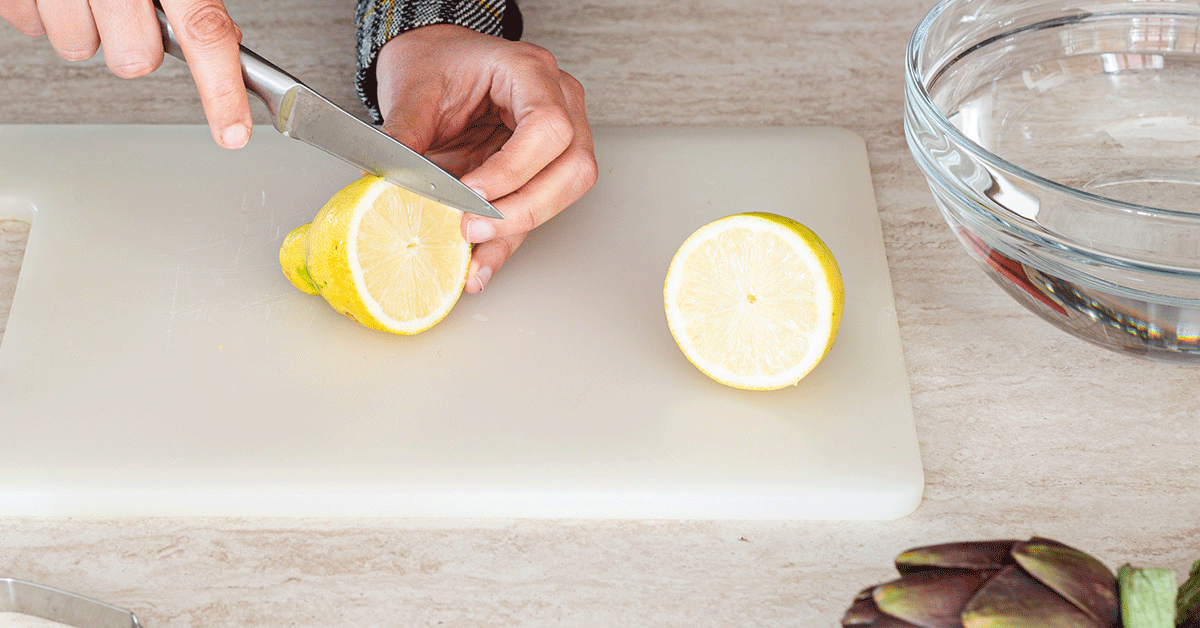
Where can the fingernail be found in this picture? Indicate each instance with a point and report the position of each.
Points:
(479, 231)
(482, 277)
(235, 136)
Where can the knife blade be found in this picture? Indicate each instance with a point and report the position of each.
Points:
(299, 112)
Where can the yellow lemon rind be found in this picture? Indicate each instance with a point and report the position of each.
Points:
(292, 254)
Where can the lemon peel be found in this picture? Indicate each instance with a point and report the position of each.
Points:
(292, 259)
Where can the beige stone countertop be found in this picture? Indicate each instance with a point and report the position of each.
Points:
(1023, 429)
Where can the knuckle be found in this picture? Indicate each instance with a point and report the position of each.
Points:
(573, 92)
(507, 169)
(507, 248)
(536, 55)
(210, 25)
(571, 85)
(77, 53)
(518, 222)
(557, 128)
(529, 222)
(225, 93)
(587, 171)
(494, 253)
(132, 65)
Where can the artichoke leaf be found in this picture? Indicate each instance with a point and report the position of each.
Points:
(1187, 603)
(929, 599)
(982, 555)
(1013, 599)
(1078, 577)
(863, 613)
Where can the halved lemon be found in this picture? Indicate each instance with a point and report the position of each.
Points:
(754, 300)
(386, 257)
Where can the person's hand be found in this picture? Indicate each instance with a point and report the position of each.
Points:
(132, 41)
(502, 117)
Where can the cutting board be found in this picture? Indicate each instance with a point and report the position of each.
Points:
(157, 362)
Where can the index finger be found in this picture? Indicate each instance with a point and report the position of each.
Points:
(542, 130)
(210, 39)
(23, 15)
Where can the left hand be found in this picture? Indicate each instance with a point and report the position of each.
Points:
(502, 117)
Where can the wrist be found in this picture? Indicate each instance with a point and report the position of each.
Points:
(382, 21)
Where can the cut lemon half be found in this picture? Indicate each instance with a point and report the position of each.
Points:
(386, 257)
(754, 300)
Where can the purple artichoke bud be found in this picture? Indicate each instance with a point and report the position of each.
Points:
(991, 584)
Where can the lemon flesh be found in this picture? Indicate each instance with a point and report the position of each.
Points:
(754, 300)
(386, 257)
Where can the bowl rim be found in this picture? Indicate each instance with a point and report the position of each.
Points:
(915, 84)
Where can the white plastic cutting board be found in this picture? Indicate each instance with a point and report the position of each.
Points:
(157, 362)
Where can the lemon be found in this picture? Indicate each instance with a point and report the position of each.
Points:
(386, 257)
(754, 300)
(292, 258)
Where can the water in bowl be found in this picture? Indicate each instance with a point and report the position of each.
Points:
(1106, 103)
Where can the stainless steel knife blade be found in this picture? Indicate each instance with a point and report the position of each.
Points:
(309, 117)
(301, 113)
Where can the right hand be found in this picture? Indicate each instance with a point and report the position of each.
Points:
(132, 41)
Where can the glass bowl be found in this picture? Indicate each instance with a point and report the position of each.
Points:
(1061, 141)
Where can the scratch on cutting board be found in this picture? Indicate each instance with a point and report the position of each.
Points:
(271, 304)
(238, 256)
(248, 228)
(206, 245)
(245, 227)
(261, 308)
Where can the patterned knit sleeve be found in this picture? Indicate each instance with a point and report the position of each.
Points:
(378, 21)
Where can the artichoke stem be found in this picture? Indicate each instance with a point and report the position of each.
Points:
(1147, 597)
(1187, 605)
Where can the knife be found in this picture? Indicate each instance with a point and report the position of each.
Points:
(300, 113)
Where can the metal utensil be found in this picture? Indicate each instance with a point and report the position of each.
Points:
(28, 598)
(301, 113)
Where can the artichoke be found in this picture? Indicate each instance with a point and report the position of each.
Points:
(1037, 583)
(1187, 609)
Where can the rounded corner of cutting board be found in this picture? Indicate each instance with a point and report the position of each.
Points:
(16, 208)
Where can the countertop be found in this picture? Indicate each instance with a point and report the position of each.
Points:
(1023, 430)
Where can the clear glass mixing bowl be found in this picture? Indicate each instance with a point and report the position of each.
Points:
(1061, 141)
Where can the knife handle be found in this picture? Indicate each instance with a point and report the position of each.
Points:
(262, 78)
